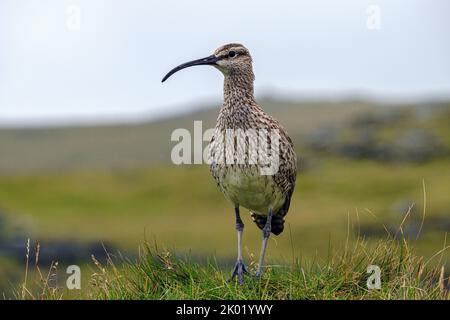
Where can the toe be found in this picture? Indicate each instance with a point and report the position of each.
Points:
(239, 270)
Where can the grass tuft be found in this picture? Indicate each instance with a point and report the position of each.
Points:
(159, 274)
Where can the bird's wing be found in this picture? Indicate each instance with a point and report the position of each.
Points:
(287, 173)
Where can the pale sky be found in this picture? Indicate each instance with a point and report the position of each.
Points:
(108, 64)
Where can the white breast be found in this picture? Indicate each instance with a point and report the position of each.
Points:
(245, 186)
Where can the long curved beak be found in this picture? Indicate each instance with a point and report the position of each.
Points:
(211, 60)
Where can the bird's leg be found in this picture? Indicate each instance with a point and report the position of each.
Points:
(266, 233)
(239, 267)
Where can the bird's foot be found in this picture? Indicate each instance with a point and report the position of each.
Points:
(258, 275)
(239, 270)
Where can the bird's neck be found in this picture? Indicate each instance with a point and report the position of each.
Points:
(238, 89)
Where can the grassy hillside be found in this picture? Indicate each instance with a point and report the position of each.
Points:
(72, 189)
(121, 207)
(344, 274)
(146, 144)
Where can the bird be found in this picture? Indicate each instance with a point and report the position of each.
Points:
(266, 196)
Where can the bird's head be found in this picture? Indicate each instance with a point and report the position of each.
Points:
(230, 59)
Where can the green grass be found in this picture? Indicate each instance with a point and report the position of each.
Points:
(112, 184)
(343, 275)
(121, 207)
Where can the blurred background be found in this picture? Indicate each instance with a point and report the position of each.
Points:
(362, 87)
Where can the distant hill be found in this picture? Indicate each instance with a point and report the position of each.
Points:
(146, 144)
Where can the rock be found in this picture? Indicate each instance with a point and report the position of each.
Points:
(414, 145)
(361, 145)
(380, 118)
(417, 146)
(323, 139)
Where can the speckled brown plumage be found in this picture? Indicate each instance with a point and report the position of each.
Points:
(267, 196)
(241, 111)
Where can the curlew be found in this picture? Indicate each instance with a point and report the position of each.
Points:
(266, 195)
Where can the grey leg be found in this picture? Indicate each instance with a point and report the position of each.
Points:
(239, 267)
(266, 233)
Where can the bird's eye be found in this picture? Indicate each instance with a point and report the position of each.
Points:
(231, 54)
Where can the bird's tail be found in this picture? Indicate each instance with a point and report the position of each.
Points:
(277, 222)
